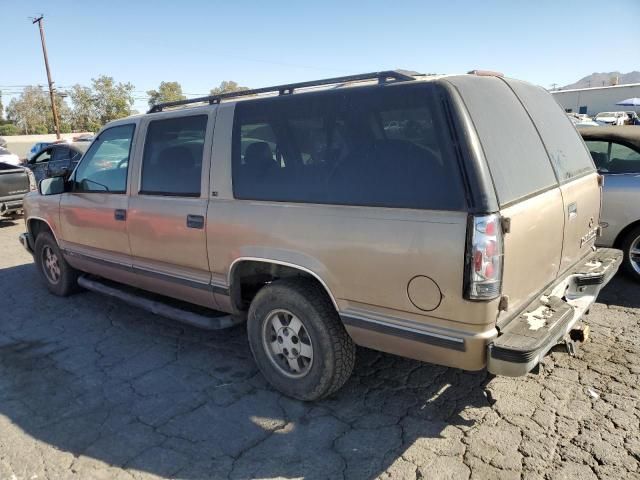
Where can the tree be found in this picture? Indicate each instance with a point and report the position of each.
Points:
(227, 86)
(84, 115)
(99, 104)
(1, 108)
(167, 92)
(31, 111)
(112, 100)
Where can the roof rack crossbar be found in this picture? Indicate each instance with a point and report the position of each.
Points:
(382, 77)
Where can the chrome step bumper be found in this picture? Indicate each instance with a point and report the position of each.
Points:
(544, 323)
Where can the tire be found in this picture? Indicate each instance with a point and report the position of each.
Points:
(61, 280)
(631, 240)
(332, 350)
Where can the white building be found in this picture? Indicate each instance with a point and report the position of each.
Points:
(597, 99)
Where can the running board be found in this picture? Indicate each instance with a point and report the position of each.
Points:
(138, 299)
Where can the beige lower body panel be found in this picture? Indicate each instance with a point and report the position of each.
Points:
(458, 349)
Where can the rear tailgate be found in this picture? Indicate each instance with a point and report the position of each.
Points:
(574, 169)
(525, 184)
(14, 181)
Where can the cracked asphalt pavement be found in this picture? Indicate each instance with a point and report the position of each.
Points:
(92, 388)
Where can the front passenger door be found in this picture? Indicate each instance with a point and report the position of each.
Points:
(93, 215)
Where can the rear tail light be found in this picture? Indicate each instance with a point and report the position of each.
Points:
(483, 279)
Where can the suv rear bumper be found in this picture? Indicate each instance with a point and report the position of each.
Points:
(524, 341)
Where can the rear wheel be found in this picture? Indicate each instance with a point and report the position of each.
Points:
(631, 247)
(61, 279)
(298, 340)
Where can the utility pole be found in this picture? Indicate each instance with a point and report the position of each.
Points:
(54, 109)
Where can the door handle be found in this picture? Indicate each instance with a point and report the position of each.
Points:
(195, 221)
(120, 214)
(573, 210)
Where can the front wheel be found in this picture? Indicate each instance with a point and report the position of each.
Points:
(298, 340)
(61, 279)
(631, 247)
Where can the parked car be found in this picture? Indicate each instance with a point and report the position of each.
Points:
(616, 153)
(581, 120)
(7, 157)
(420, 216)
(37, 148)
(612, 118)
(57, 159)
(15, 182)
(3, 142)
(633, 118)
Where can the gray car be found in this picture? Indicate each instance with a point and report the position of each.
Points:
(616, 153)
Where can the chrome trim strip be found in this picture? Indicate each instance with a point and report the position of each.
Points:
(436, 339)
(286, 264)
(171, 278)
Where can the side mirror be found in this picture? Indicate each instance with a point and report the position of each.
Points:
(51, 186)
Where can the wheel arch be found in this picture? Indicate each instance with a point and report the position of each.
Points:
(623, 233)
(35, 225)
(248, 274)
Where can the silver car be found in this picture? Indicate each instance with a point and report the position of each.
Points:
(616, 153)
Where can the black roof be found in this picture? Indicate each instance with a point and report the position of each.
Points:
(629, 134)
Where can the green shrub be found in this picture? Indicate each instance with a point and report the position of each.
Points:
(40, 130)
(9, 129)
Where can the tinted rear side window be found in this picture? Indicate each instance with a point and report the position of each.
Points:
(172, 160)
(568, 154)
(517, 159)
(374, 146)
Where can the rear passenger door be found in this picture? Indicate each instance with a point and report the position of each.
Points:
(168, 207)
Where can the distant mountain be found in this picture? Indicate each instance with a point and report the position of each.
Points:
(605, 79)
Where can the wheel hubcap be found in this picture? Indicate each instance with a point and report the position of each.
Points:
(51, 265)
(634, 255)
(287, 343)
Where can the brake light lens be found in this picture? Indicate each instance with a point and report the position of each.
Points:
(484, 265)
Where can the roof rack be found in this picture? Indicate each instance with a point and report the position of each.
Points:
(382, 77)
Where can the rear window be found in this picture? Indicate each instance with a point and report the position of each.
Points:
(564, 145)
(517, 159)
(376, 146)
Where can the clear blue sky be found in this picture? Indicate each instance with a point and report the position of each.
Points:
(258, 43)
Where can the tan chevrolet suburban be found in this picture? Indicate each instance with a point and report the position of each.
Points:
(449, 219)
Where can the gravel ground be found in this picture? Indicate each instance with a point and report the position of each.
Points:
(91, 388)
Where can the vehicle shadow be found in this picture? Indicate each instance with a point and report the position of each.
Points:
(120, 388)
(622, 291)
(7, 222)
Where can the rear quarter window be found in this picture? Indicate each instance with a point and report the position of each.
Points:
(517, 160)
(569, 157)
(370, 146)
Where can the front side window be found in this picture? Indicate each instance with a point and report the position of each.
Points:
(599, 152)
(386, 147)
(42, 157)
(105, 165)
(612, 157)
(623, 159)
(172, 160)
